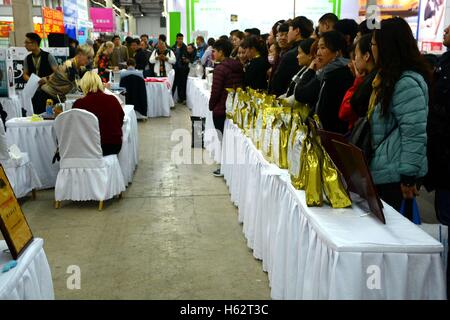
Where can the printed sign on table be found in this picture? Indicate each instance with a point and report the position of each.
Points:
(13, 224)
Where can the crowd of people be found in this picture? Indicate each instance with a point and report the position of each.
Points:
(354, 78)
(347, 73)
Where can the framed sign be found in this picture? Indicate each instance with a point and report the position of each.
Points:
(13, 224)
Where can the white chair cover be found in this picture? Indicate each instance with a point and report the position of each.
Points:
(84, 173)
(20, 172)
(129, 156)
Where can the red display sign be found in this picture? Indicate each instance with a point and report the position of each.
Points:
(5, 28)
(53, 22)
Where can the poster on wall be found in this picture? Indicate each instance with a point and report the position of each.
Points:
(431, 25)
(314, 9)
(7, 87)
(103, 19)
(407, 9)
(18, 55)
(61, 54)
(70, 18)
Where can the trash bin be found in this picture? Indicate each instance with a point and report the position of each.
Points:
(198, 132)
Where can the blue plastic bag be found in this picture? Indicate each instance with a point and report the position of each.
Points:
(415, 211)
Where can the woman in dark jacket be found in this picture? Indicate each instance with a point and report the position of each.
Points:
(227, 74)
(305, 56)
(324, 85)
(256, 70)
(357, 98)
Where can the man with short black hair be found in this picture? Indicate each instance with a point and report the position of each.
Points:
(144, 37)
(181, 68)
(300, 29)
(135, 46)
(142, 58)
(120, 53)
(227, 74)
(252, 32)
(327, 22)
(39, 62)
(349, 28)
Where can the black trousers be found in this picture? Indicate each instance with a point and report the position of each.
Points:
(391, 193)
(180, 83)
(39, 101)
(219, 123)
(109, 149)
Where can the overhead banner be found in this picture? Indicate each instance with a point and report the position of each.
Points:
(103, 19)
(53, 22)
(407, 9)
(431, 25)
(5, 28)
(83, 13)
(70, 17)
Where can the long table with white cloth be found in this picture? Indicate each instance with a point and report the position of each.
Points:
(197, 99)
(31, 279)
(38, 139)
(325, 253)
(321, 253)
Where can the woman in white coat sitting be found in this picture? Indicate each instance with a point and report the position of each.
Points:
(163, 58)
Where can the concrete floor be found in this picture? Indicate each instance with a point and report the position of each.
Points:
(174, 235)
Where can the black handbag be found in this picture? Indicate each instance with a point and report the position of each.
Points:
(362, 137)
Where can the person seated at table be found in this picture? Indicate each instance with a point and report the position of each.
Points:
(163, 58)
(64, 80)
(131, 69)
(39, 62)
(102, 60)
(107, 110)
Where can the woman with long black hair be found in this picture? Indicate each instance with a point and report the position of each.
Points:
(398, 112)
(256, 69)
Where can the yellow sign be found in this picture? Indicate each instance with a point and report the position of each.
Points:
(13, 224)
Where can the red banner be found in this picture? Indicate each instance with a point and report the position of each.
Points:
(5, 28)
(53, 22)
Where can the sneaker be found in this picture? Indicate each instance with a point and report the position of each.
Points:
(217, 173)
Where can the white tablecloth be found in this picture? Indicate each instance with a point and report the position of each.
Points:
(38, 139)
(12, 106)
(197, 99)
(31, 279)
(129, 154)
(324, 253)
(159, 100)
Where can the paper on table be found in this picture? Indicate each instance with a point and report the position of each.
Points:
(28, 92)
